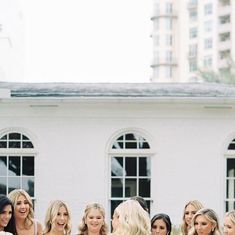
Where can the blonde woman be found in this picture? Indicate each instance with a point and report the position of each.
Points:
(58, 219)
(93, 221)
(229, 223)
(190, 210)
(24, 214)
(130, 218)
(205, 222)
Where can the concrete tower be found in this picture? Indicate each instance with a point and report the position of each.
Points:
(192, 35)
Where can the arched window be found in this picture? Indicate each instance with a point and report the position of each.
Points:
(17, 166)
(230, 177)
(130, 169)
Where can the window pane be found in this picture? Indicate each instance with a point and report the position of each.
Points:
(130, 188)
(14, 166)
(3, 166)
(13, 183)
(28, 185)
(114, 204)
(131, 166)
(144, 166)
(117, 188)
(25, 137)
(28, 166)
(230, 194)
(144, 187)
(14, 136)
(27, 145)
(4, 137)
(118, 145)
(117, 166)
(231, 167)
(3, 144)
(230, 206)
(3, 185)
(130, 137)
(143, 145)
(14, 144)
(131, 145)
(120, 138)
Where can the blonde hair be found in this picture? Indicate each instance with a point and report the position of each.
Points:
(82, 228)
(14, 195)
(231, 216)
(51, 214)
(197, 205)
(133, 219)
(211, 216)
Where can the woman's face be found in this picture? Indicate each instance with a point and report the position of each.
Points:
(21, 208)
(203, 226)
(61, 220)
(94, 220)
(115, 221)
(159, 227)
(189, 212)
(5, 216)
(229, 226)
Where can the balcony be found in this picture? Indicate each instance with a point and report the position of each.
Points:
(164, 14)
(164, 62)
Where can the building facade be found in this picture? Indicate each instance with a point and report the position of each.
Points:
(169, 143)
(191, 36)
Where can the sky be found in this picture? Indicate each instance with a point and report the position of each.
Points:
(81, 40)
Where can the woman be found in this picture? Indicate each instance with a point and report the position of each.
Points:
(161, 224)
(205, 222)
(190, 210)
(58, 219)
(229, 223)
(93, 221)
(7, 222)
(24, 214)
(130, 218)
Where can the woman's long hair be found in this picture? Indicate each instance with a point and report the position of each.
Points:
(5, 201)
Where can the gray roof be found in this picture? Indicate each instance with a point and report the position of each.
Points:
(118, 89)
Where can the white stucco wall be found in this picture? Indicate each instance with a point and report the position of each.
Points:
(71, 138)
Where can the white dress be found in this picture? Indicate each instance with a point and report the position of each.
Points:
(5, 233)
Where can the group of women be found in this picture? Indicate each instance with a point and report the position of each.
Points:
(131, 217)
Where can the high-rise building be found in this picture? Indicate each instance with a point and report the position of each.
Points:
(191, 36)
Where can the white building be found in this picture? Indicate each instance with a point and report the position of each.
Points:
(192, 35)
(169, 143)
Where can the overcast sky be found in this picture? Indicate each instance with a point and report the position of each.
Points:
(86, 40)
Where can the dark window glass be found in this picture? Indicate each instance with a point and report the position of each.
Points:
(14, 165)
(25, 137)
(28, 166)
(117, 166)
(3, 166)
(3, 144)
(131, 165)
(118, 145)
(3, 185)
(232, 145)
(130, 136)
(4, 137)
(144, 187)
(14, 136)
(28, 185)
(144, 145)
(14, 144)
(231, 167)
(27, 145)
(130, 187)
(131, 145)
(144, 167)
(117, 188)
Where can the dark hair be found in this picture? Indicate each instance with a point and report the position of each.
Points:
(141, 201)
(165, 218)
(5, 201)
